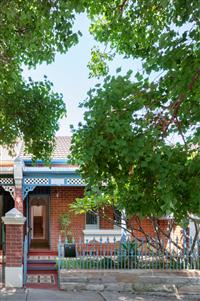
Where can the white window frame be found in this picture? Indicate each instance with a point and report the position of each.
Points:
(117, 227)
(92, 226)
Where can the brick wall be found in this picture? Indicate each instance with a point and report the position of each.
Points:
(104, 223)
(145, 224)
(14, 245)
(61, 198)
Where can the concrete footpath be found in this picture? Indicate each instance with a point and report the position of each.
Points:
(56, 295)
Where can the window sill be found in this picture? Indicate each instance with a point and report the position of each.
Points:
(102, 234)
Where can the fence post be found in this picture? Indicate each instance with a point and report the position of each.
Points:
(59, 258)
(25, 258)
(14, 223)
(3, 253)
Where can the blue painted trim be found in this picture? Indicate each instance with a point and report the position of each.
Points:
(52, 175)
(53, 161)
(57, 185)
(46, 173)
(30, 187)
(54, 185)
(49, 176)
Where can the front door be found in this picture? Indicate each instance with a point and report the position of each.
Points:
(39, 221)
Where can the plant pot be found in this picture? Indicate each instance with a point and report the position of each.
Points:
(69, 250)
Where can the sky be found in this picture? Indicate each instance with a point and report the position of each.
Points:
(70, 75)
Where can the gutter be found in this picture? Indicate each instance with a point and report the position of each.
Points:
(50, 170)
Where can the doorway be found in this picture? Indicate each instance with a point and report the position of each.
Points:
(39, 221)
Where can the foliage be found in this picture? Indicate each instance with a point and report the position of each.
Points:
(138, 147)
(31, 33)
(65, 221)
(98, 64)
(88, 263)
(128, 255)
(156, 262)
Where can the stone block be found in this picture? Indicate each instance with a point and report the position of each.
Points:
(151, 287)
(76, 279)
(118, 287)
(95, 287)
(189, 289)
(72, 286)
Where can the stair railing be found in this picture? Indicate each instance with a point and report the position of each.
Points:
(59, 258)
(25, 259)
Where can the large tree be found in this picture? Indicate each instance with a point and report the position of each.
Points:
(138, 147)
(31, 32)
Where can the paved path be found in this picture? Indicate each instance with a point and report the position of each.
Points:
(53, 295)
(108, 296)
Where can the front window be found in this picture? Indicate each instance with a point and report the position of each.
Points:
(92, 220)
(117, 218)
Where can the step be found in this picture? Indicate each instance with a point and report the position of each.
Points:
(42, 253)
(43, 250)
(45, 281)
(41, 261)
(41, 267)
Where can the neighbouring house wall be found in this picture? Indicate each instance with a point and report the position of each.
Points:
(61, 198)
(145, 224)
(104, 223)
(177, 232)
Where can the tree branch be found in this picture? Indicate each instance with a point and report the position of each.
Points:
(197, 231)
(176, 105)
(121, 7)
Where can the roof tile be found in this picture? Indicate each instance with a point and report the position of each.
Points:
(61, 150)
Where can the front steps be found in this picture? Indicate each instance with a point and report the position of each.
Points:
(42, 270)
(41, 261)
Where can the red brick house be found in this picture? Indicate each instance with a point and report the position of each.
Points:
(39, 196)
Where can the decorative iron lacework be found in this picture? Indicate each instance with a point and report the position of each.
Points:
(10, 189)
(36, 181)
(75, 181)
(27, 189)
(6, 181)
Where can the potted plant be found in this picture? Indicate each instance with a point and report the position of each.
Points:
(69, 246)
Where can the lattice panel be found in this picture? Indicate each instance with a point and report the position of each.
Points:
(75, 181)
(36, 181)
(6, 181)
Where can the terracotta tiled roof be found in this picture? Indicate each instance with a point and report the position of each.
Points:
(61, 150)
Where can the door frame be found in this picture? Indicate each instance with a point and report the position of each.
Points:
(37, 198)
(44, 221)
